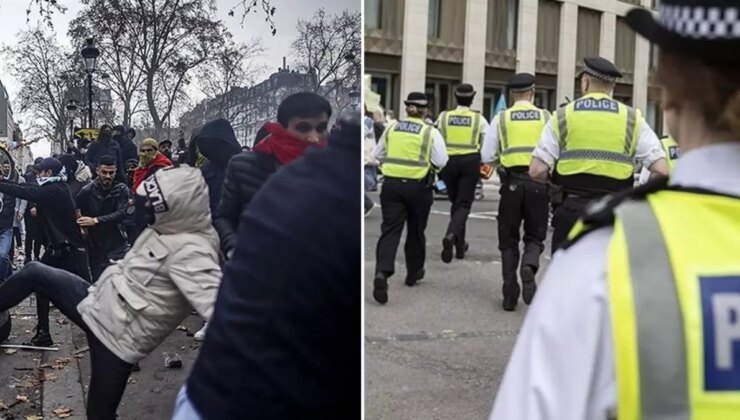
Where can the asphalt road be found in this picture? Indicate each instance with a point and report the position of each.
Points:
(439, 350)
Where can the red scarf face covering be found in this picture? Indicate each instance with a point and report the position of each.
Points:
(140, 173)
(283, 145)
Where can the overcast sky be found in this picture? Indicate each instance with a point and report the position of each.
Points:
(13, 20)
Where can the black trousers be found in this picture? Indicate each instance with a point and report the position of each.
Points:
(564, 217)
(461, 175)
(66, 290)
(403, 202)
(34, 237)
(73, 261)
(523, 202)
(100, 260)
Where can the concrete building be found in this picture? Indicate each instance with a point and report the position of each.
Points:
(249, 108)
(434, 45)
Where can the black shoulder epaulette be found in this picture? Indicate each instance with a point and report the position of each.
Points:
(600, 213)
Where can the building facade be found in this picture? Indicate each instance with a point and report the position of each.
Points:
(485, 42)
(249, 108)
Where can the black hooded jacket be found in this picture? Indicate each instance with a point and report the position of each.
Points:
(129, 150)
(217, 142)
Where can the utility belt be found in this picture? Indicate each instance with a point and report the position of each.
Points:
(508, 176)
(427, 180)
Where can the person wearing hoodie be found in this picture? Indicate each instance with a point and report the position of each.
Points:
(65, 247)
(124, 138)
(34, 232)
(139, 301)
(105, 145)
(150, 161)
(302, 123)
(282, 343)
(217, 142)
(71, 167)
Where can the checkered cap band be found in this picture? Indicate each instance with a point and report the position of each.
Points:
(701, 22)
(599, 75)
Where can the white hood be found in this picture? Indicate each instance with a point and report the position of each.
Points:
(179, 197)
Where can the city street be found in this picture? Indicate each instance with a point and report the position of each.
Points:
(439, 350)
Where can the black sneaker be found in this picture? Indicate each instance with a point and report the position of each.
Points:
(380, 288)
(461, 251)
(447, 244)
(529, 286)
(41, 339)
(5, 325)
(412, 279)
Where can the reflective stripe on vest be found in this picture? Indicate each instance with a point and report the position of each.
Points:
(519, 132)
(461, 131)
(674, 291)
(597, 136)
(408, 152)
(671, 149)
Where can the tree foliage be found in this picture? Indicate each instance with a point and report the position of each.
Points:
(43, 69)
(328, 47)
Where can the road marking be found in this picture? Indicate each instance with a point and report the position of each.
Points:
(443, 335)
(484, 215)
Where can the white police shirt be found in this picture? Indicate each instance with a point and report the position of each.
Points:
(562, 366)
(489, 151)
(439, 149)
(647, 151)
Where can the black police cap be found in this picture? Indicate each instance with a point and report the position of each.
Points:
(521, 82)
(601, 68)
(465, 90)
(418, 99)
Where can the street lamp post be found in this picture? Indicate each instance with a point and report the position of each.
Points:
(71, 109)
(90, 55)
(354, 94)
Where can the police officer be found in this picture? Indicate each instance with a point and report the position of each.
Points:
(670, 148)
(408, 151)
(463, 130)
(639, 318)
(512, 138)
(591, 144)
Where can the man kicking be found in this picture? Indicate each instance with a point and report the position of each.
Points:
(140, 300)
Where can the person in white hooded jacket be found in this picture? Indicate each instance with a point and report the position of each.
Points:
(172, 267)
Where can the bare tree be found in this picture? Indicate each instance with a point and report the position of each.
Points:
(39, 64)
(223, 77)
(322, 48)
(117, 54)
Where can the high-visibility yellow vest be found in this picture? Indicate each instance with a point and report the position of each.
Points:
(461, 131)
(674, 293)
(597, 136)
(672, 152)
(519, 129)
(408, 145)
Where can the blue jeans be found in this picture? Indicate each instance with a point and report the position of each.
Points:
(6, 241)
(184, 409)
(371, 177)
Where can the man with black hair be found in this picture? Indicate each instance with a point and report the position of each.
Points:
(302, 123)
(463, 130)
(56, 210)
(70, 168)
(34, 232)
(125, 142)
(102, 209)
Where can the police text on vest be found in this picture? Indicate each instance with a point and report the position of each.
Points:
(532, 115)
(590, 104)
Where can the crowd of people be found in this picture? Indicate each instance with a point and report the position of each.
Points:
(264, 244)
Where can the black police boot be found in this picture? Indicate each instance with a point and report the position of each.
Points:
(460, 251)
(510, 291)
(5, 325)
(41, 339)
(529, 286)
(509, 304)
(380, 288)
(447, 244)
(412, 279)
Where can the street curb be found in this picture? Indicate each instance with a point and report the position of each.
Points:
(66, 390)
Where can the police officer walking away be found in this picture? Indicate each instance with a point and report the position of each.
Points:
(463, 130)
(639, 318)
(591, 145)
(512, 138)
(408, 151)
